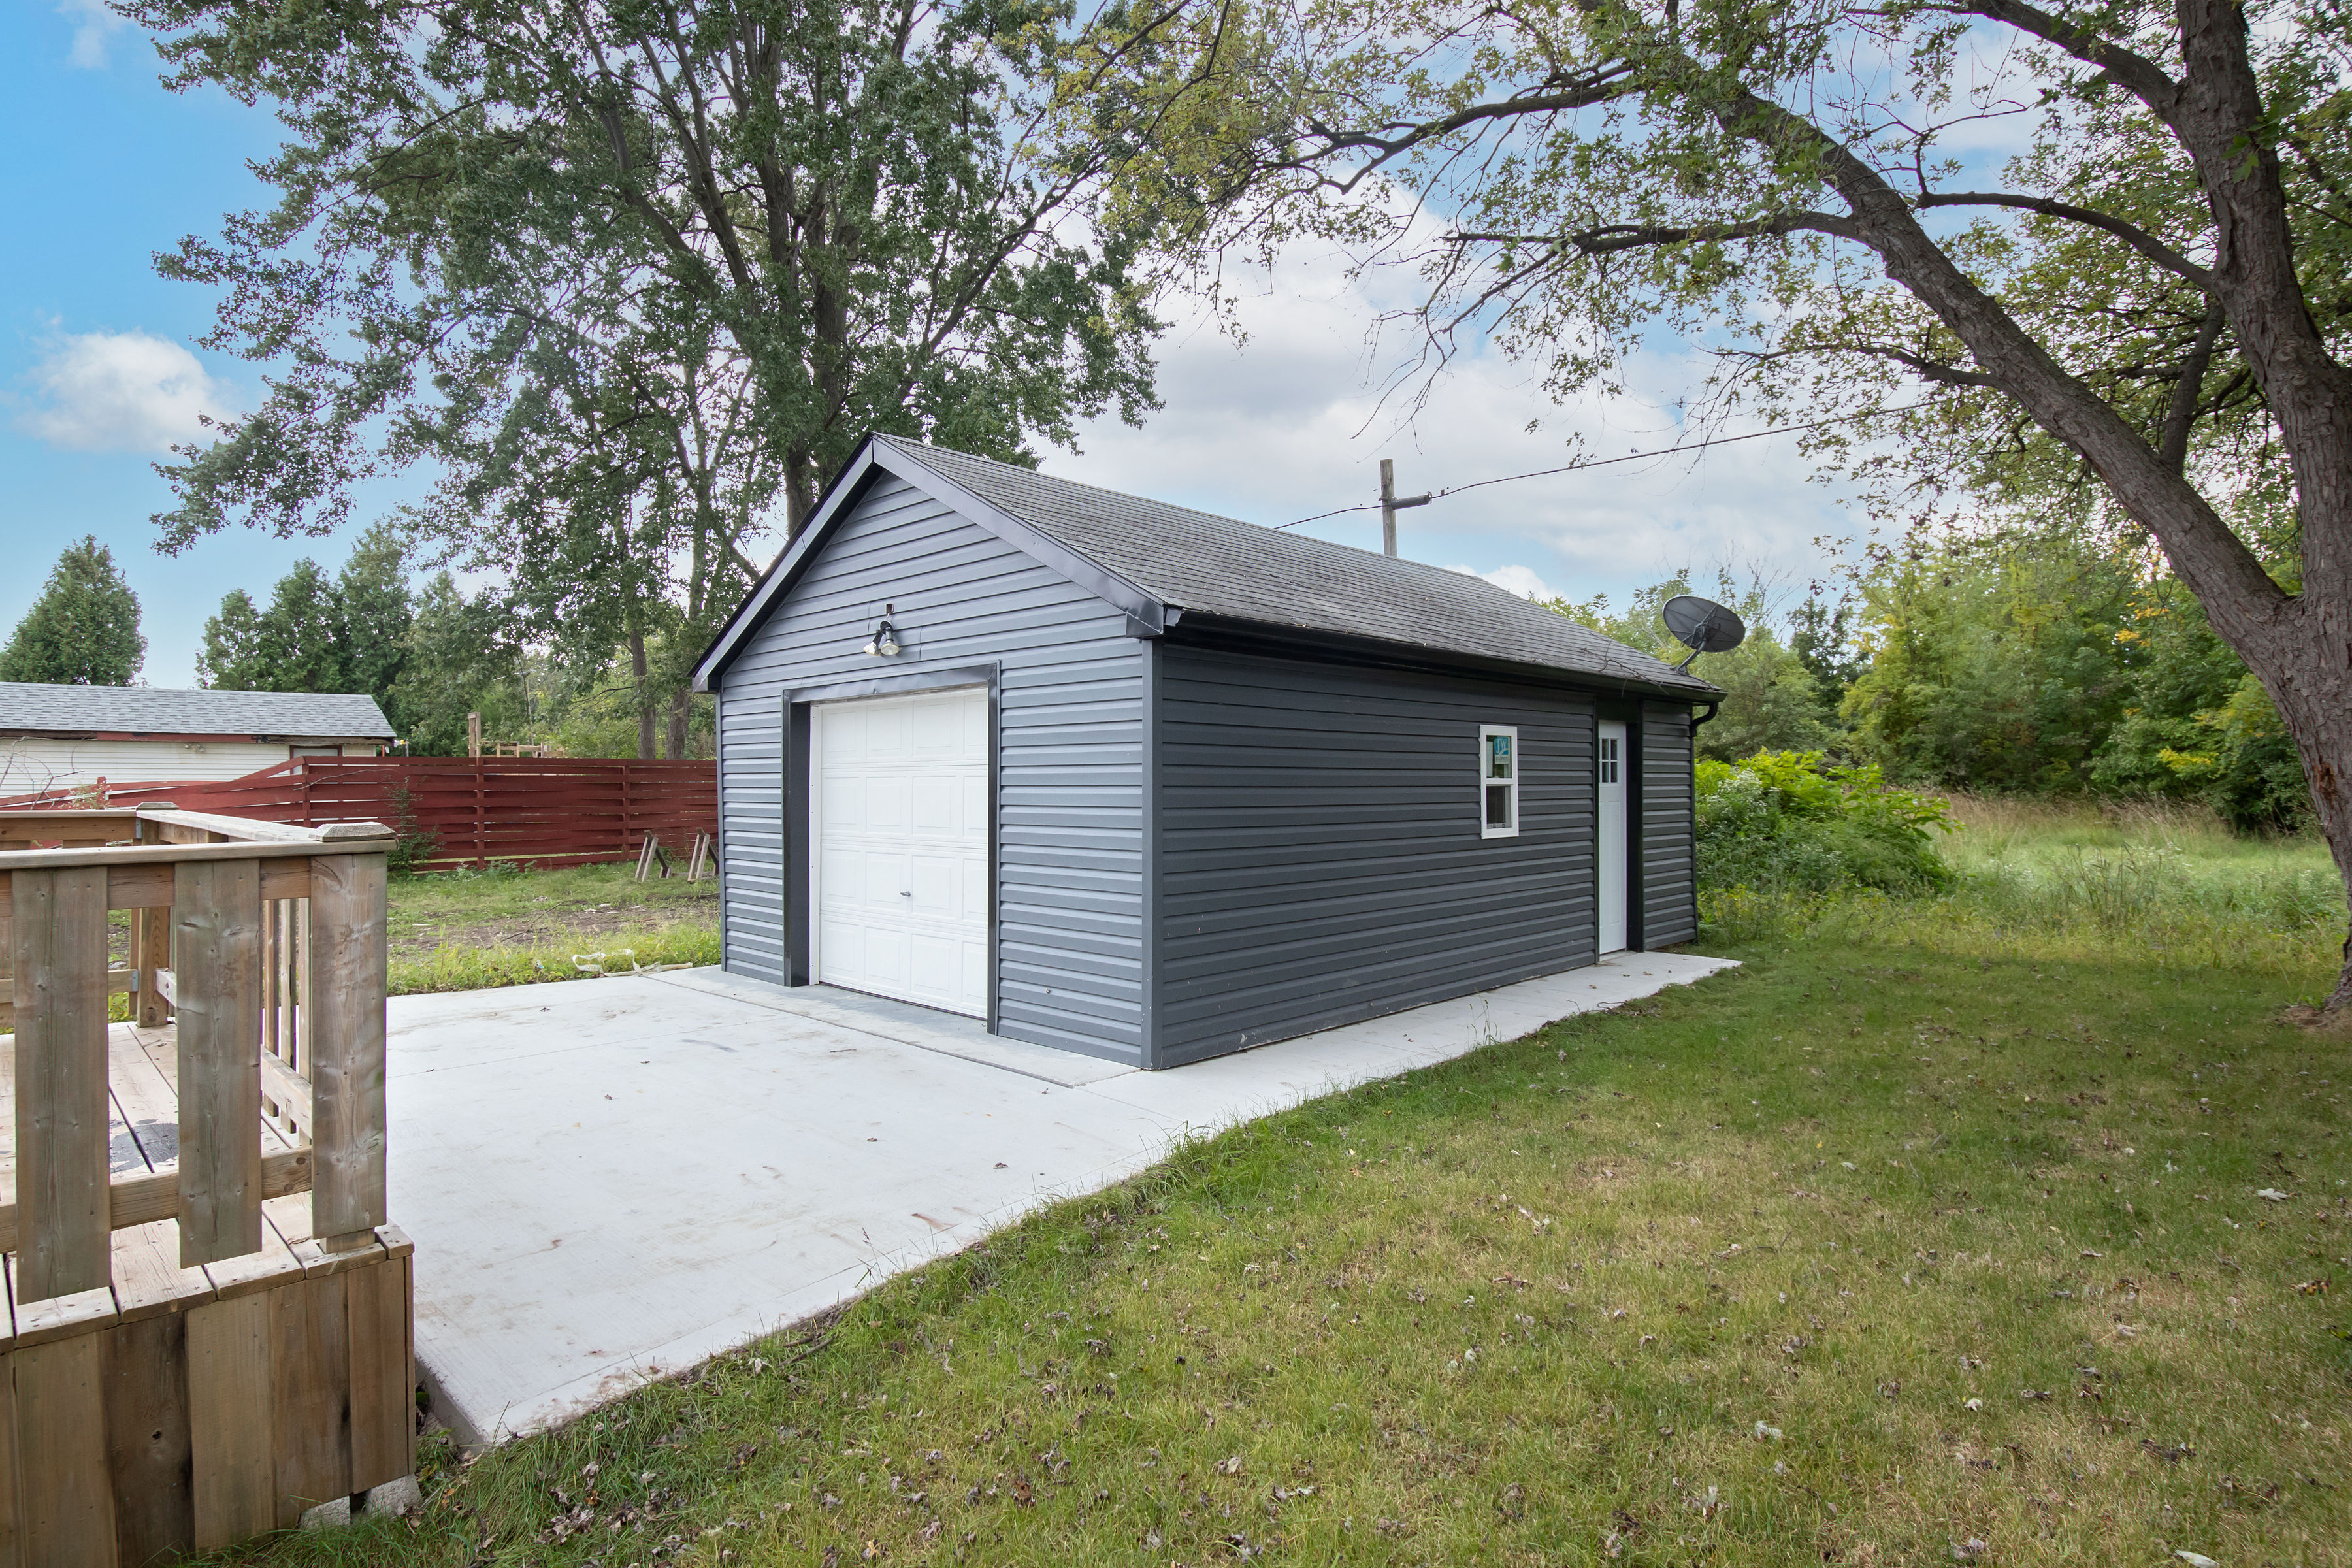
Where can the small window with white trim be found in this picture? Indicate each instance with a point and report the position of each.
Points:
(1498, 781)
(1608, 759)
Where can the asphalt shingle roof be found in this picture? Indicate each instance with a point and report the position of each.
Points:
(1199, 561)
(148, 710)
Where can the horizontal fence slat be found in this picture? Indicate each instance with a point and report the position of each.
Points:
(537, 810)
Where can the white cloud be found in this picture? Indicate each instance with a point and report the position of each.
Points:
(1292, 424)
(1516, 580)
(122, 391)
(94, 28)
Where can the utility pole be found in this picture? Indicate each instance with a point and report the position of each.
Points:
(1391, 504)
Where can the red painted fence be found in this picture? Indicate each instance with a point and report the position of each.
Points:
(538, 811)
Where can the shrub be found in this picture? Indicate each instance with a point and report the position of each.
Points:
(1781, 821)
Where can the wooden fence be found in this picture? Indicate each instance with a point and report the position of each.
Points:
(191, 1354)
(464, 811)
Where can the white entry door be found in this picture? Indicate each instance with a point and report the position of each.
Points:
(1610, 848)
(902, 836)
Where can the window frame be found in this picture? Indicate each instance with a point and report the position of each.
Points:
(1486, 733)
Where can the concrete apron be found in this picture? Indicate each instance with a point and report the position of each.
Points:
(610, 1180)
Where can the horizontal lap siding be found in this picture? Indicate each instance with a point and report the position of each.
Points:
(1669, 884)
(1319, 858)
(1069, 771)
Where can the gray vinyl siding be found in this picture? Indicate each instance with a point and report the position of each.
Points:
(1668, 870)
(1319, 857)
(1069, 761)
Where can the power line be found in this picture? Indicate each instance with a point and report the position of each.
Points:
(1604, 462)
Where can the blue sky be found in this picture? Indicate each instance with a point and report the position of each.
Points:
(100, 370)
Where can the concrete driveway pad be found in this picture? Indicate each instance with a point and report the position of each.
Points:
(610, 1180)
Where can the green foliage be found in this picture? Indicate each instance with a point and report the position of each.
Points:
(347, 633)
(84, 629)
(1773, 701)
(1992, 670)
(1784, 822)
(460, 656)
(628, 313)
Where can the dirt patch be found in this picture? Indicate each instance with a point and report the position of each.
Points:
(579, 927)
(2335, 1026)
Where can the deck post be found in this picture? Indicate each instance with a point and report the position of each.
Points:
(343, 1001)
(217, 924)
(64, 1221)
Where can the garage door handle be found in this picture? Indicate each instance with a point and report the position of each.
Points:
(905, 893)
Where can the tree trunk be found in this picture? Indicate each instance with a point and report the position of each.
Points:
(680, 712)
(644, 698)
(2313, 695)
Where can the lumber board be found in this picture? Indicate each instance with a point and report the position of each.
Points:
(343, 991)
(166, 854)
(287, 1090)
(144, 1098)
(148, 1279)
(151, 953)
(139, 887)
(265, 1270)
(231, 1445)
(145, 1364)
(62, 1453)
(117, 982)
(55, 1318)
(12, 1508)
(382, 1380)
(140, 1199)
(216, 934)
(310, 1377)
(61, 1104)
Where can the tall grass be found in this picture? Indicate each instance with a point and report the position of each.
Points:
(2141, 882)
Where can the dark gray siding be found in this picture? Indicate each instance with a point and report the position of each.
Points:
(1318, 853)
(1069, 778)
(1669, 883)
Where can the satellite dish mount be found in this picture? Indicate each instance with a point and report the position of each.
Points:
(1702, 625)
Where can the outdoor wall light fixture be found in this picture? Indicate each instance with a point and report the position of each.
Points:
(883, 644)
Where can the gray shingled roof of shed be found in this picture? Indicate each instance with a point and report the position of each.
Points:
(150, 710)
(1216, 565)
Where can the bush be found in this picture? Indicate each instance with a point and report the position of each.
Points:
(1781, 821)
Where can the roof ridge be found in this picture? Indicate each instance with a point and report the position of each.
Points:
(907, 444)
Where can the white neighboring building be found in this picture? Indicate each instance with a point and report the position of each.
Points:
(59, 738)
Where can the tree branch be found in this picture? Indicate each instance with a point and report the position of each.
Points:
(2138, 238)
(2173, 449)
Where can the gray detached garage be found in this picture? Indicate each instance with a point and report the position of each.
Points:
(1152, 784)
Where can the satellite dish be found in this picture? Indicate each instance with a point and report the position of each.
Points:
(1702, 625)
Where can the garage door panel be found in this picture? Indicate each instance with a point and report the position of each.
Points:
(933, 807)
(903, 892)
(936, 884)
(885, 804)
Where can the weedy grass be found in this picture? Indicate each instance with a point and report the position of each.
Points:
(470, 930)
(1865, 1253)
(504, 890)
(461, 966)
(2135, 883)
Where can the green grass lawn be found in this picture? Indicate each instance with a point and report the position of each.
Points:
(459, 932)
(1889, 1247)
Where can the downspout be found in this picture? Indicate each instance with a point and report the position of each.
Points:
(1705, 717)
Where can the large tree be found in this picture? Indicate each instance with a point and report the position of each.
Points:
(84, 629)
(2141, 289)
(868, 213)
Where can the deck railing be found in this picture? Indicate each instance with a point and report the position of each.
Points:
(266, 944)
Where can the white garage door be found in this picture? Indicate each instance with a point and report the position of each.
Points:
(902, 836)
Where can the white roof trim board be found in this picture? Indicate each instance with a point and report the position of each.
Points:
(26, 706)
(1161, 563)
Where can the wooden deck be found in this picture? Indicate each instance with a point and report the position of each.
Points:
(184, 1361)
